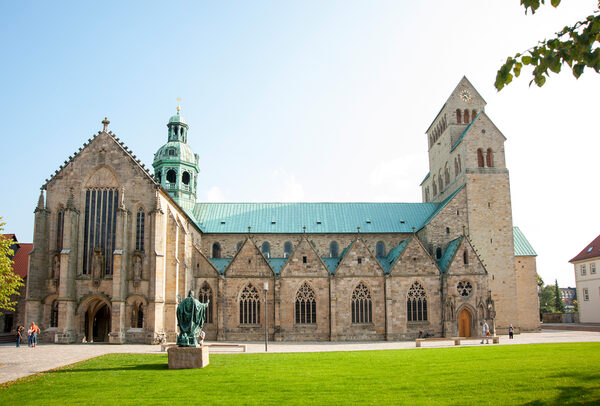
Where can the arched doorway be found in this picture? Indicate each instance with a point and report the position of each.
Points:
(97, 322)
(464, 323)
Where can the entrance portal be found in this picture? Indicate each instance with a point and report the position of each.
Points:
(97, 322)
(464, 323)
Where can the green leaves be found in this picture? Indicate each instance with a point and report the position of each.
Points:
(578, 46)
(9, 281)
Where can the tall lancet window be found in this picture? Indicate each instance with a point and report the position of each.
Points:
(306, 305)
(139, 230)
(99, 230)
(249, 305)
(205, 296)
(362, 304)
(60, 226)
(416, 303)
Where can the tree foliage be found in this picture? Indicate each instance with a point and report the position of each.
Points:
(9, 281)
(547, 300)
(559, 306)
(578, 46)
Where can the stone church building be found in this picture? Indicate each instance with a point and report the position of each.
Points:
(116, 246)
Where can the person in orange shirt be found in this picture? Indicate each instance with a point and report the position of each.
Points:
(35, 331)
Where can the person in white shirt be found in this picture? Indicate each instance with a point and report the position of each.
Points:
(485, 330)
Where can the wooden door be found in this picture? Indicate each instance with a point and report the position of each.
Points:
(464, 323)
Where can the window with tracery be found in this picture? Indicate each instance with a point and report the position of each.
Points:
(54, 314)
(416, 303)
(464, 288)
(205, 296)
(306, 305)
(99, 229)
(139, 230)
(362, 304)
(249, 306)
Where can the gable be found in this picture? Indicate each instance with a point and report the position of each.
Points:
(203, 268)
(304, 261)
(249, 261)
(414, 260)
(456, 264)
(358, 260)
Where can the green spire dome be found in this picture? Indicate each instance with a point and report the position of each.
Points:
(176, 165)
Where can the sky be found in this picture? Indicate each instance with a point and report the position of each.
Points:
(308, 101)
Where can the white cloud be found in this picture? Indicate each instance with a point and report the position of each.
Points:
(290, 189)
(215, 195)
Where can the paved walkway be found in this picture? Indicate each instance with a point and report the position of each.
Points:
(19, 362)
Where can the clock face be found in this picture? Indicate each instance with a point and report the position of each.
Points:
(466, 96)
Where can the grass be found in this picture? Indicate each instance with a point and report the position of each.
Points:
(538, 374)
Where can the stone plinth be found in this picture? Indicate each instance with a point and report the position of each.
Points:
(187, 357)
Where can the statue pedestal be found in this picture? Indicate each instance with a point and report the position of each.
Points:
(188, 357)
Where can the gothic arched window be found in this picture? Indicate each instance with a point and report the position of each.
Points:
(334, 250)
(140, 316)
(205, 295)
(362, 304)
(139, 230)
(266, 249)
(458, 115)
(54, 314)
(480, 162)
(60, 225)
(416, 303)
(306, 305)
(99, 231)
(249, 306)
(216, 250)
(287, 249)
(489, 158)
(380, 249)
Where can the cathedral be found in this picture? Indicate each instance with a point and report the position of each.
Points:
(116, 246)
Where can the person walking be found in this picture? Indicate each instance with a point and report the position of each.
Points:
(485, 329)
(19, 336)
(511, 332)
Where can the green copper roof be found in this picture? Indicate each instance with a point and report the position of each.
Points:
(177, 118)
(426, 177)
(316, 217)
(522, 246)
(220, 263)
(175, 151)
(451, 248)
(277, 264)
(331, 263)
(387, 262)
(465, 132)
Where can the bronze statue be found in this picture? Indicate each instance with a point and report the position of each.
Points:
(191, 316)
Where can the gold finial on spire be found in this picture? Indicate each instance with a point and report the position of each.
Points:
(178, 101)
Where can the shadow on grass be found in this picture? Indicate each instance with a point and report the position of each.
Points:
(142, 367)
(574, 395)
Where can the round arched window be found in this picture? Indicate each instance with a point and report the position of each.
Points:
(171, 176)
(185, 178)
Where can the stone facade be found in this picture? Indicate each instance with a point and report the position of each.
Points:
(115, 247)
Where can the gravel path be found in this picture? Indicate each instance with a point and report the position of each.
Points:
(19, 362)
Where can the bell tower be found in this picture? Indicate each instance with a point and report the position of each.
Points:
(176, 165)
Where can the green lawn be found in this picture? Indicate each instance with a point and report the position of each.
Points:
(499, 375)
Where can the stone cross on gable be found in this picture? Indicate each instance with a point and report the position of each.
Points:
(105, 122)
